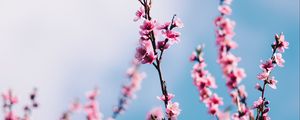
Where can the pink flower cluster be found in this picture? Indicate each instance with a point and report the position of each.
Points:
(146, 52)
(204, 81)
(91, 108)
(280, 44)
(172, 109)
(150, 50)
(128, 91)
(9, 100)
(228, 61)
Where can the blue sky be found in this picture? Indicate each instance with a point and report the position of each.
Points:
(66, 47)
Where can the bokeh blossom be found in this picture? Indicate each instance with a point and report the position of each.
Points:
(228, 61)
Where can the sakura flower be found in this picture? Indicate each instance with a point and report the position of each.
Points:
(272, 83)
(92, 94)
(75, 106)
(11, 116)
(148, 25)
(216, 100)
(213, 110)
(280, 43)
(263, 76)
(278, 59)
(193, 57)
(173, 110)
(149, 58)
(92, 111)
(178, 23)
(144, 56)
(225, 9)
(258, 87)
(162, 45)
(223, 115)
(155, 114)
(173, 36)
(266, 117)
(140, 13)
(268, 65)
(257, 103)
(10, 97)
(164, 26)
(204, 94)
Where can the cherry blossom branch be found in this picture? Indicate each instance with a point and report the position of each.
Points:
(203, 80)
(229, 62)
(151, 51)
(128, 90)
(276, 59)
(91, 108)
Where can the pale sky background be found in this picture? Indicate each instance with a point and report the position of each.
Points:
(66, 47)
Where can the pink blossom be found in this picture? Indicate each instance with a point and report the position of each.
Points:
(213, 110)
(155, 113)
(226, 32)
(216, 100)
(145, 56)
(178, 23)
(223, 115)
(173, 110)
(257, 103)
(92, 111)
(281, 43)
(282, 46)
(272, 82)
(148, 25)
(268, 65)
(266, 117)
(240, 73)
(193, 57)
(204, 94)
(225, 9)
(11, 116)
(211, 81)
(263, 76)
(149, 58)
(162, 45)
(139, 13)
(203, 80)
(92, 94)
(278, 59)
(10, 97)
(91, 108)
(173, 36)
(218, 20)
(75, 106)
(258, 87)
(228, 62)
(164, 26)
